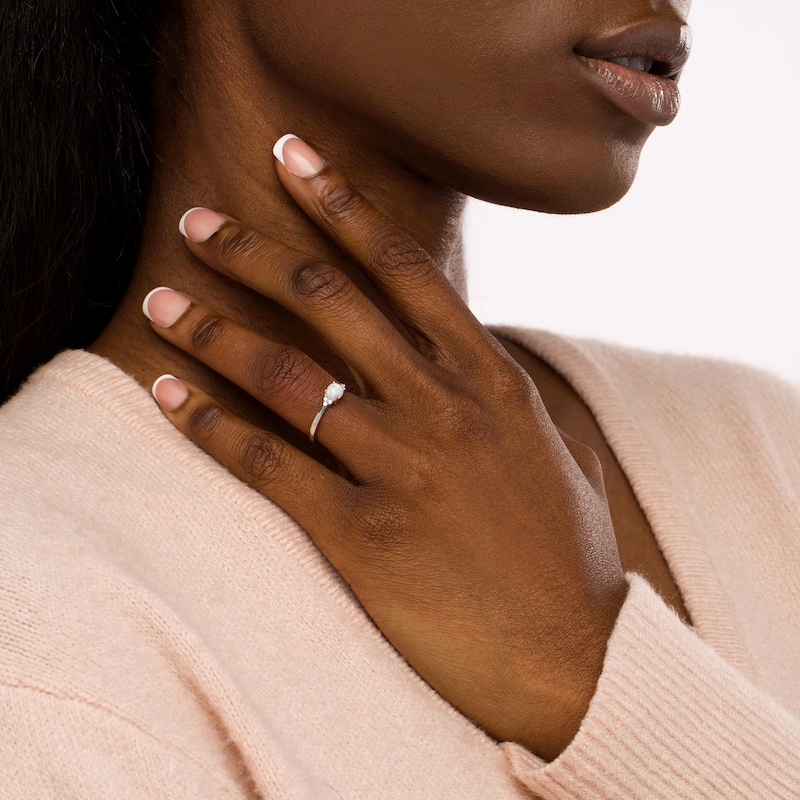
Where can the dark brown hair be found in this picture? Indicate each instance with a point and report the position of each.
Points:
(74, 103)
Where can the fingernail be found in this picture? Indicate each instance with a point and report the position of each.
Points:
(169, 392)
(297, 156)
(165, 306)
(200, 224)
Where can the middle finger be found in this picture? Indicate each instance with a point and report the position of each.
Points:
(319, 293)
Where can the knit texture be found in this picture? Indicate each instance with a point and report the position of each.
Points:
(166, 632)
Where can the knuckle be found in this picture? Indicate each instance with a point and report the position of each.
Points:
(238, 244)
(338, 200)
(506, 382)
(204, 420)
(382, 528)
(421, 473)
(206, 331)
(464, 419)
(274, 371)
(260, 458)
(393, 251)
(459, 414)
(319, 284)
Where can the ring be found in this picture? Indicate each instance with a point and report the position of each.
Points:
(333, 394)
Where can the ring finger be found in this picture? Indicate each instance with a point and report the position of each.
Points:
(261, 459)
(279, 376)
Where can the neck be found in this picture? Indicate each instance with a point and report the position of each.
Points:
(213, 136)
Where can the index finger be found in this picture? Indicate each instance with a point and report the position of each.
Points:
(416, 289)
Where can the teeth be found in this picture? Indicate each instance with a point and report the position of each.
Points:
(641, 63)
(634, 62)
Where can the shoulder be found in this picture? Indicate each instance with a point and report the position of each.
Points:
(73, 609)
(93, 681)
(670, 387)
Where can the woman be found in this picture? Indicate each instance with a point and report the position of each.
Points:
(461, 613)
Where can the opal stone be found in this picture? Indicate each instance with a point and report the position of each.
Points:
(334, 392)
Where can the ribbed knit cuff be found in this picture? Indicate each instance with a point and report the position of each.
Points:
(670, 719)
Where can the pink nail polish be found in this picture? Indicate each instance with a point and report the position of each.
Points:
(169, 392)
(297, 156)
(165, 306)
(200, 224)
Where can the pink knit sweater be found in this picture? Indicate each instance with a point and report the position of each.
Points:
(166, 632)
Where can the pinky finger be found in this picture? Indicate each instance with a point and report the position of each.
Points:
(265, 461)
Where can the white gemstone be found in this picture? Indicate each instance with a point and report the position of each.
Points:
(334, 392)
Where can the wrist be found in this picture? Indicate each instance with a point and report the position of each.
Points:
(563, 701)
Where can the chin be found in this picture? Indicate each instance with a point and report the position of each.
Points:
(583, 197)
(578, 180)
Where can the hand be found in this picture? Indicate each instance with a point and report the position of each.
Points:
(476, 537)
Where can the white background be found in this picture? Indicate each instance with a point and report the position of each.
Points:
(702, 255)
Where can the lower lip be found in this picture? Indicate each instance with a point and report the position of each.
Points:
(648, 98)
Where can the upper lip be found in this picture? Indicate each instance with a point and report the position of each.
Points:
(664, 41)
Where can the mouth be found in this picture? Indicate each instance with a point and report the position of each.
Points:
(644, 64)
(637, 67)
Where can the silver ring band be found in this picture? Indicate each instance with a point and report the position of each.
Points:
(333, 393)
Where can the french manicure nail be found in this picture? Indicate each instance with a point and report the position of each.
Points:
(297, 156)
(169, 392)
(200, 224)
(165, 306)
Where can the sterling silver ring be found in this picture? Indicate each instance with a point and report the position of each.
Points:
(333, 394)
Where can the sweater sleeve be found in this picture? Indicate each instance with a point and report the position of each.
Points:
(670, 719)
(53, 748)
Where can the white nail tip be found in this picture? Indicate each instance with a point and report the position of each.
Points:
(277, 150)
(146, 301)
(182, 223)
(158, 381)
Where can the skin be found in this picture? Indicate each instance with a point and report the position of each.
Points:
(417, 106)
